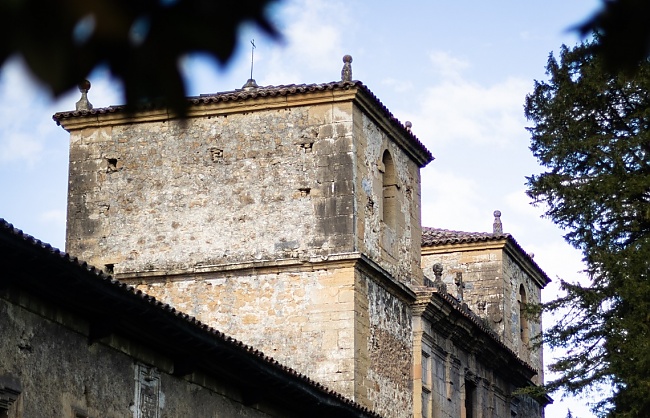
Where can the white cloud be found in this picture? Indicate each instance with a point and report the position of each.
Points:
(21, 99)
(23, 136)
(446, 65)
(20, 147)
(313, 44)
(399, 86)
(455, 110)
(462, 111)
(449, 200)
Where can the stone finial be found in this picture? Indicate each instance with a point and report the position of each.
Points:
(346, 72)
(83, 103)
(250, 84)
(408, 125)
(497, 227)
(438, 283)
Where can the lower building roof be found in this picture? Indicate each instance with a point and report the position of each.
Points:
(110, 306)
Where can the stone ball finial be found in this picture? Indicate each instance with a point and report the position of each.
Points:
(346, 72)
(408, 125)
(83, 103)
(84, 85)
(497, 226)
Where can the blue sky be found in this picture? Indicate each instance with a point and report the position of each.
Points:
(459, 70)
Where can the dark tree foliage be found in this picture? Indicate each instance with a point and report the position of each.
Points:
(591, 132)
(624, 29)
(141, 41)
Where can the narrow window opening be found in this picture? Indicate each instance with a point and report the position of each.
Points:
(389, 183)
(426, 385)
(470, 399)
(80, 414)
(523, 319)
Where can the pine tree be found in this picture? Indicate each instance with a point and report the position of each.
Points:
(591, 132)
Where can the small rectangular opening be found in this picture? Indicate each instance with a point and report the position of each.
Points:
(109, 268)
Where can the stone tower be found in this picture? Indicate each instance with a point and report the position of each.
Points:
(287, 217)
(496, 278)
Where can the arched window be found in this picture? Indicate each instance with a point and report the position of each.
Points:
(523, 320)
(389, 182)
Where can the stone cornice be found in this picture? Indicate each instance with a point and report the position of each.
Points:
(307, 264)
(289, 265)
(210, 109)
(266, 98)
(455, 323)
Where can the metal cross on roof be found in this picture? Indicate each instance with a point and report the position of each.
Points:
(252, 52)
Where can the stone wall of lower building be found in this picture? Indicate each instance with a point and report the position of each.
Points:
(45, 357)
(491, 283)
(517, 280)
(452, 382)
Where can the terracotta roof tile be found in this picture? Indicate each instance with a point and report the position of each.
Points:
(270, 91)
(436, 236)
(432, 237)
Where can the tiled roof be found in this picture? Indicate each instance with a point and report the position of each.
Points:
(436, 236)
(432, 237)
(268, 91)
(38, 267)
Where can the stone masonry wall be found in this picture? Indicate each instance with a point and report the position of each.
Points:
(483, 291)
(514, 277)
(259, 185)
(384, 342)
(304, 319)
(397, 251)
(333, 323)
(269, 184)
(237, 219)
(60, 375)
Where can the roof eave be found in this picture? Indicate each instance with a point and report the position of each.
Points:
(264, 98)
